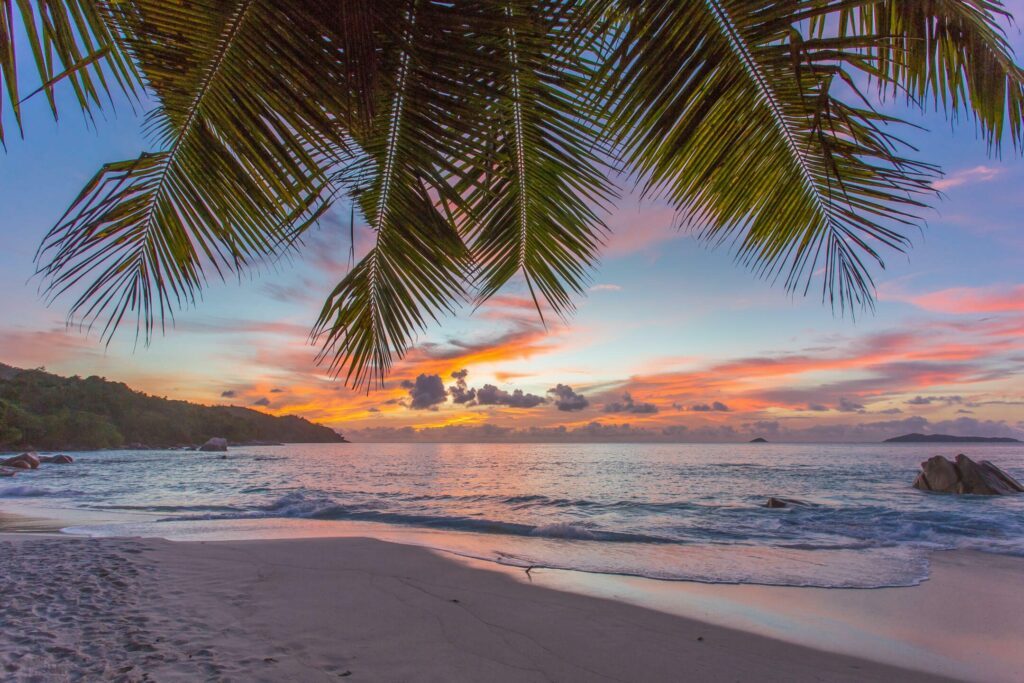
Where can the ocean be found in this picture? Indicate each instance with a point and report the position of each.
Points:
(668, 511)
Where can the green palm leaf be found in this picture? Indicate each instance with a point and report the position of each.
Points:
(69, 40)
(950, 52)
(493, 124)
(746, 137)
(418, 266)
(535, 213)
(247, 133)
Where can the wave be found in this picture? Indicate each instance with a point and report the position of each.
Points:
(170, 508)
(27, 491)
(299, 505)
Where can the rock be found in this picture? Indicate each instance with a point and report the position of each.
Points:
(215, 444)
(774, 502)
(25, 461)
(937, 474)
(965, 476)
(4, 472)
(59, 459)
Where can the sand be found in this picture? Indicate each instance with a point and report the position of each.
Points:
(362, 609)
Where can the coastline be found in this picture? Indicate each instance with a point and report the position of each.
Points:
(320, 609)
(385, 610)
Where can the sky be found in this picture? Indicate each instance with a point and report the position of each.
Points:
(674, 341)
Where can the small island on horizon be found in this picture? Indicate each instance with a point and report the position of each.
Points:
(949, 438)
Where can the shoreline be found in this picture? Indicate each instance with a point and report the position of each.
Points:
(320, 609)
(905, 627)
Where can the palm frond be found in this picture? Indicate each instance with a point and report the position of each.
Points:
(246, 133)
(493, 124)
(535, 209)
(744, 133)
(69, 40)
(417, 269)
(948, 52)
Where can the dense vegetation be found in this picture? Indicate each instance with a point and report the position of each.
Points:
(45, 411)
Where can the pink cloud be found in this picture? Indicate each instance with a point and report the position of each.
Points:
(969, 300)
(968, 176)
(639, 230)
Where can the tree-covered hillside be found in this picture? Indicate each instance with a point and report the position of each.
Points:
(44, 411)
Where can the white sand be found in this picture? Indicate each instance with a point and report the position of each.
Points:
(357, 609)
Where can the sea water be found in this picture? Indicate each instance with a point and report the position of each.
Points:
(668, 511)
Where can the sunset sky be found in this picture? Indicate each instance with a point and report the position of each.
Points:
(674, 341)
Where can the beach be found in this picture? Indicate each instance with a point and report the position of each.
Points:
(321, 609)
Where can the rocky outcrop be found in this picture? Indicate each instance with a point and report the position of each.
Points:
(965, 476)
(4, 472)
(774, 502)
(216, 444)
(59, 459)
(25, 461)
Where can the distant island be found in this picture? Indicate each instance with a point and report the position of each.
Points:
(759, 439)
(40, 410)
(949, 438)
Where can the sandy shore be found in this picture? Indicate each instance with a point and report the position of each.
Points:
(363, 609)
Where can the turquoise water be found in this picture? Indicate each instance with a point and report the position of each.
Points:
(671, 511)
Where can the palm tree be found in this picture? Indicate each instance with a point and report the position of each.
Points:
(482, 141)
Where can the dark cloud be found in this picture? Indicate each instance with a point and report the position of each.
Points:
(373, 409)
(817, 407)
(490, 395)
(716, 406)
(230, 393)
(275, 390)
(459, 392)
(566, 399)
(764, 427)
(264, 401)
(628, 405)
(426, 393)
(928, 400)
(891, 411)
(847, 405)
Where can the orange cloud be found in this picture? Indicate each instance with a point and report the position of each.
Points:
(319, 397)
(875, 367)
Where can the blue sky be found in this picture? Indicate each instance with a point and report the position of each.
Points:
(675, 325)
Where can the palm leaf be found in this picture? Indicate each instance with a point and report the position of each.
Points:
(246, 136)
(746, 136)
(493, 124)
(541, 181)
(418, 266)
(69, 40)
(948, 52)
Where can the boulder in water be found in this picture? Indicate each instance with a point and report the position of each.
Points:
(25, 461)
(59, 459)
(4, 472)
(965, 476)
(215, 444)
(774, 502)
